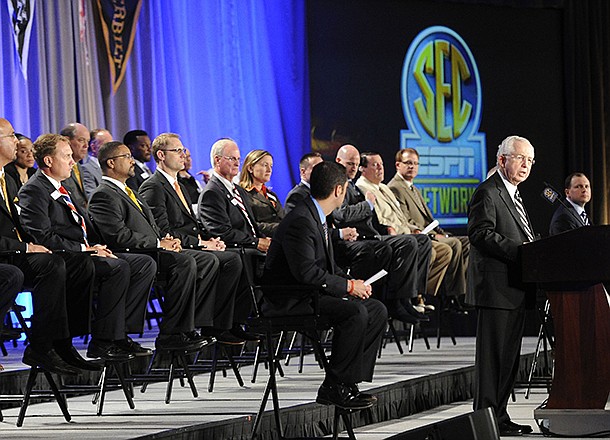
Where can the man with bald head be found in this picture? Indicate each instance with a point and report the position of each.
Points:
(92, 173)
(498, 225)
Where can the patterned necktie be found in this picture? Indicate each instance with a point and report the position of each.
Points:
(325, 228)
(79, 218)
(79, 179)
(585, 218)
(132, 196)
(181, 195)
(240, 205)
(523, 216)
(6, 201)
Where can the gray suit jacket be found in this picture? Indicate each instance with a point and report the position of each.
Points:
(91, 174)
(412, 204)
(496, 236)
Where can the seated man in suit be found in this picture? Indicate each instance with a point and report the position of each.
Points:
(172, 208)
(78, 136)
(126, 221)
(138, 143)
(410, 262)
(389, 213)
(301, 191)
(50, 216)
(37, 269)
(301, 254)
(92, 173)
(578, 194)
(419, 216)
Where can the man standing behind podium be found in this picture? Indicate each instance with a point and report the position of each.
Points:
(574, 216)
(497, 226)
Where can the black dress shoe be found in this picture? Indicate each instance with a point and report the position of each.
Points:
(411, 310)
(403, 316)
(108, 351)
(240, 333)
(357, 393)
(201, 340)
(509, 429)
(130, 346)
(48, 360)
(341, 396)
(181, 342)
(72, 357)
(527, 429)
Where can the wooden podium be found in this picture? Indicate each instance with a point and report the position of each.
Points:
(571, 268)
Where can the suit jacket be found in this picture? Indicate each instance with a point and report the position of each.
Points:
(296, 194)
(9, 222)
(171, 216)
(11, 170)
(119, 221)
(77, 194)
(496, 235)
(386, 206)
(47, 217)
(565, 219)
(137, 180)
(298, 253)
(267, 216)
(412, 204)
(356, 212)
(91, 174)
(222, 218)
(192, 187)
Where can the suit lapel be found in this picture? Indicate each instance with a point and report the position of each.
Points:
(328, 251)
(510, 204)
(174, 195)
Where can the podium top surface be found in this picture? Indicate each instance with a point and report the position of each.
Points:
(580, 255)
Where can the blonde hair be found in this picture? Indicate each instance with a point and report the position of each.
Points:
(245, 179)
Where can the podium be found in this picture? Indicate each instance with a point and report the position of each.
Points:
(571, 268)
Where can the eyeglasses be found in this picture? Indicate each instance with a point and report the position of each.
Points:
(410, 163)
(176, 150)
(521, 158)
(13, 135)
(127, 156)
(232, 159)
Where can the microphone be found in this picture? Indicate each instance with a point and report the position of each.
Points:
(551, 195)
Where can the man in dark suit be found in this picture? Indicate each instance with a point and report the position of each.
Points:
(35, 267)
(138, 143)
(92, 173)
(172, 208)
(578, 194)
(411, 254)
(498, 225)
(78, 135)
(52, 219)
(301, 254)
(126, 221)
(301, 191)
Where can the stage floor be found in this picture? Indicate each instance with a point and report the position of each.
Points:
(231, 405)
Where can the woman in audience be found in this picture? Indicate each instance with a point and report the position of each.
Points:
(22, 168)
(255, 173)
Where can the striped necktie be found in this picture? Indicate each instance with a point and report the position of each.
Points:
(325, 228)
(79, 218)
(242, 206)
(585, 218)
(523, 216)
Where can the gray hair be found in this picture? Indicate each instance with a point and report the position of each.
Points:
(218, 148)
(508, 146)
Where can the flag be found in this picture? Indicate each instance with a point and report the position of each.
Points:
(21, 13)
(118, 19)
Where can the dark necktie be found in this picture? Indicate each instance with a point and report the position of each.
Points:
(240, 205)
(585, 218)
(79, 218)
(523, 216)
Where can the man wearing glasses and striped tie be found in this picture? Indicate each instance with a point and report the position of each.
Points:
(498, 225)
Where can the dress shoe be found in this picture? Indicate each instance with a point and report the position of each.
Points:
(203, 340)
(180, 342)
(240, 333)
(353, 388)
(71, 356)
(130, 346)
(341, 396)
(404, 316)
(108, 351)
(410, 308)
(510, 429)
(222, 336)
(48, 360)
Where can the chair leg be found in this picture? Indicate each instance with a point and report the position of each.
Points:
(148, 370)
(411, 336)
(396, 337)
(215, 350)
(189, 374)
(118, 367)
(61, 400)
(229, 356)
(26, 396)
(257, 353)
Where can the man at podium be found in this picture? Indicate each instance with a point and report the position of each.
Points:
(498, 225)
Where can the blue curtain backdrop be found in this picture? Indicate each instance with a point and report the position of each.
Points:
(203, 69)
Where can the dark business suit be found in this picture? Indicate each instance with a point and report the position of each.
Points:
(11, 283)
(45, 275)
(77, 192)
(565, 219)
(11, 170)
(296, 194)
(50, 221)
(267, 215)
(141, 174)
(299, 255)
(123, 225)
(191, 185)
(179, 221)
(497, 290)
